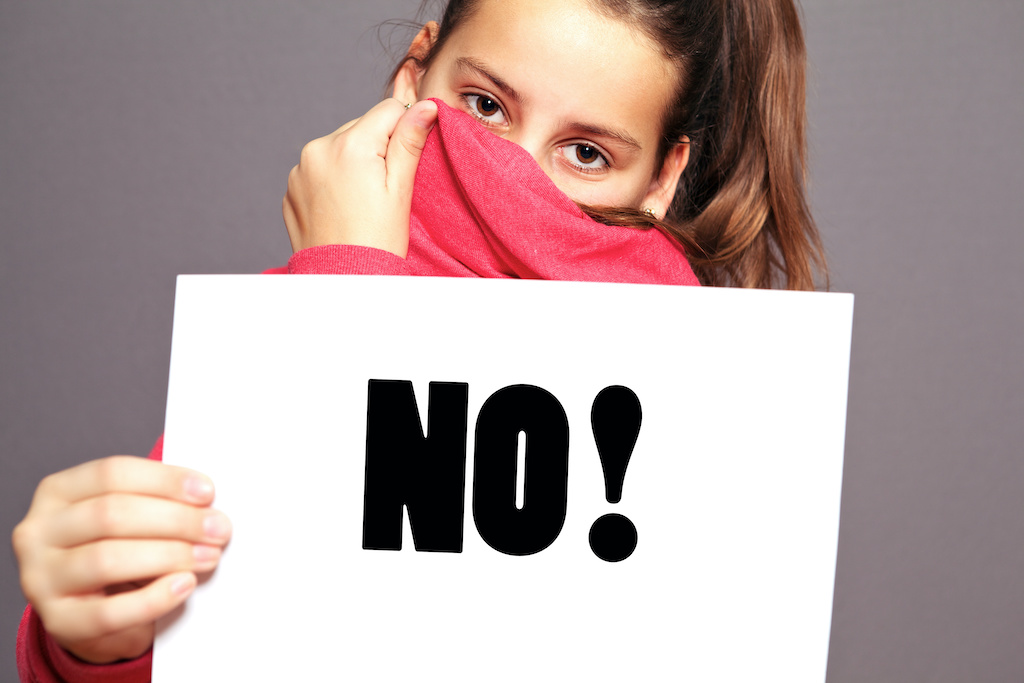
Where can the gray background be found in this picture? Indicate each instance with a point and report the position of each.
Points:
(142, 140)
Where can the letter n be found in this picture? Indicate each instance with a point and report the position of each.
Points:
(426, 474)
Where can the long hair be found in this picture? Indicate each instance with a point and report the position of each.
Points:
(740, 210)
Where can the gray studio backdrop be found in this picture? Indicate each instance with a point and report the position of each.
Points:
(142, 140)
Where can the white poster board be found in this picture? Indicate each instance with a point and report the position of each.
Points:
(733, 485)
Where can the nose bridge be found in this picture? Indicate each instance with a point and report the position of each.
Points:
(533, 143)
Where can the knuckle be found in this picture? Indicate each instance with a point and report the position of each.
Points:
(149, 608)
(108, 473)
(56, 622)
(108, 515)
(47, 486)
(32, 576)
(100, 562)
(361, 147)
(138, 638)
(179, 523)
(22, 538)
(188, 523)
(310, 151)
(413, 146)
(348, 139)
(33, 586)
(104, 617)
(182, 557)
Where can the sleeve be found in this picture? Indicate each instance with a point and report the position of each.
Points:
(42, 660)
(343, 259)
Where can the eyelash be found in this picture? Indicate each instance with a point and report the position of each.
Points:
(466, 97)
(580, 167)
(469, 105)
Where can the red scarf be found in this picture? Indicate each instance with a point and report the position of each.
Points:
(483, 207)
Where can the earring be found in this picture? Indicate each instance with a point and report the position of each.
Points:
(648, 211)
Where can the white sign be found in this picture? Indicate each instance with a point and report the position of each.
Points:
(295, 394)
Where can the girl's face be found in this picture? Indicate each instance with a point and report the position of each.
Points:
(584, 94)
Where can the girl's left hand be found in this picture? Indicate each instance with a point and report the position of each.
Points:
(354, 186)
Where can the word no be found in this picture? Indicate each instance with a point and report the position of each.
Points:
(425, 472)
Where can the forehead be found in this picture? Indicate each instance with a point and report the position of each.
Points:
(569, 59)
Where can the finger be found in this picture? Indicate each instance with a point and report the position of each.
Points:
(127, 474)
(406, 146)
(78, 619)
(125, 515)
(378, 124)
(128, 643)
(91, 567)
(291, 220)
(346, 126)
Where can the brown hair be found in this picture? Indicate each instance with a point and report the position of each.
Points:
(740, 210)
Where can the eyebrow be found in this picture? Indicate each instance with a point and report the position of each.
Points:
(473, 65)
(600, 132)
(470, 64)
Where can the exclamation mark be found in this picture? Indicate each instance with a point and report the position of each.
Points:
(615, 418)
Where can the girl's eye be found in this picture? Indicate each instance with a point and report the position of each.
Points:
(584, 157)
(485, 108)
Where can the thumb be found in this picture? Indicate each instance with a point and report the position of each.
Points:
(406, 145)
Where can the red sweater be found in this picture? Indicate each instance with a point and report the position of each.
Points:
(481, 208)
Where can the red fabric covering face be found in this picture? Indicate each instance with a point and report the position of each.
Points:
(483, 207)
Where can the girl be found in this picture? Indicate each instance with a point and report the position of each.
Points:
(684, 116)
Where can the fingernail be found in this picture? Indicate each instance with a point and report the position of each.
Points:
(425, 117)
(217, 526)
(199, 488)
(183, 585)
(205, 555)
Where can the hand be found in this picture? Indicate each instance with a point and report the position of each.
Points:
(110, 546)
(354, 186)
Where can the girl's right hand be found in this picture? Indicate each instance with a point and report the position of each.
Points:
(110, 546)
(354, 186)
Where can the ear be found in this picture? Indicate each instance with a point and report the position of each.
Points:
(407, 78)
(663, 188)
